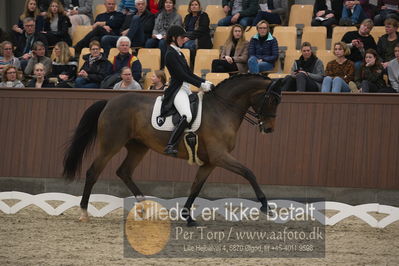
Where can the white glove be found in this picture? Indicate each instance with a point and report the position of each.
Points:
(206, 86)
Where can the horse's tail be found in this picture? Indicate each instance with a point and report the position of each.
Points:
(82, 140)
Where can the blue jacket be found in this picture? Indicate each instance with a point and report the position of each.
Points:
(267, 51)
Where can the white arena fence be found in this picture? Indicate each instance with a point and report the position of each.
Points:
(113, 203)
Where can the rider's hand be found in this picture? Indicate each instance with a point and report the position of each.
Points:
(206, 86)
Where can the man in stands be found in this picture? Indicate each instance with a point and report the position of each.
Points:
(393, 70)
(239, 12)
(387, 42)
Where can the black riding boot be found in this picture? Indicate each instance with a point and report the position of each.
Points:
(174, 139)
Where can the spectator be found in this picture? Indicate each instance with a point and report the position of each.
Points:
(30, 11)
(158, 80)
(388, 9)
(127, 82)
(306, 73)
(369, 9)
(7, 56)
(352, 13)
(137, 27)
(273, 11)
(196, 24)
(393, 70)
(387, 42)
(239, 11)
(359, 41)
(263, 49)
(124, 58)
(79, 12)
(43, 6)
(39, 56)
(94, 69)
(327, 13)
(234, 55)
(25, 40)
(64, 66)
(108, 23)
(40, 80)
(372, 74)
(155, 6)
(56, 24)
(127, 7)
(340, 71)
(10, 80)
(167, 17)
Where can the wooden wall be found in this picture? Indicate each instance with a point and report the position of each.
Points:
(332, 140)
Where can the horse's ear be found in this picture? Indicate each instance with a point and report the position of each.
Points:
(276, 85)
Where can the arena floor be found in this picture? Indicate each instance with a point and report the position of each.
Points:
(32, 237)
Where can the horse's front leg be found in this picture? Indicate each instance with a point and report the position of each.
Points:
(228, 162)
(202, 174)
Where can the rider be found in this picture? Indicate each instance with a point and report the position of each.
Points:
(176, 95)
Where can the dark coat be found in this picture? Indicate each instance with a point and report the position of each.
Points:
(386, 54)
(368, 42)
(201, 31)
(336, 6)
(39, 23)
(62, 32)
(20, 42)
(249, 7)
(98, 70)
(112, 19)
(46, 84)
(119, 61)
(147, 20)
(267, 50)
(180, 72)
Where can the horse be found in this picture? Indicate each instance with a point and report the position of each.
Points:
(124, 121)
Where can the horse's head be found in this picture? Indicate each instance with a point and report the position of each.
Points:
(266, 106)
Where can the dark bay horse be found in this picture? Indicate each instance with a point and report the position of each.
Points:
(124, 121)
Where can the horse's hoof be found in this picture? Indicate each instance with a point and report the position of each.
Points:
(192, 223)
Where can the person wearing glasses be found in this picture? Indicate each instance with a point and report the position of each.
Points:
(127, 82)
(7, 57)
(10, 78)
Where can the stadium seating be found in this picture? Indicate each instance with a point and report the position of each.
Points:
(290, 57)
(150, 59)
(286, 37)
(100, 8)
(317, 36)
(339, 32)
(80, 32)
(377, 32)
(182, 11)
(300, 15)
(325, 56)
(249, 32)
(215, 13)
(203, 61)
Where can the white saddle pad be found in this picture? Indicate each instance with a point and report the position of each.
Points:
(168, 125)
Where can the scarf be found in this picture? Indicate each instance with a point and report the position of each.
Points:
(306, 65)
(93, 59)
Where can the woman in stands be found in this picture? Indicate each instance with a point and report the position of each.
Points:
(7, 56)
(30, 10)
(234, 55)
(57, 24)
(95, 68)
(40, 80)
(64, 66)
(340, 71)
(158, 80)
(127, 81)
(166, 18)
(372, 74)
(10, 80)
(79, 12)
(176, 96)
(263, 49)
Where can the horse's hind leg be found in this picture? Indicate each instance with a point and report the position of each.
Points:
(135, 153)
(202, 175)
(228, 162)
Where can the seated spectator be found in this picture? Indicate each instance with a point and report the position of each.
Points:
(196, 24)
(95, 68)
(39, 56)
(124, 58)
(234, 55)
(56, 24)
(10, 80)
(30, 11)
(158, 80)
(387, 42)
(108, 23)
(327, 15)
(25, 40)
(155, 6)
(64, 66)
(166, 18)
(7, 56)
(393, 70)
(40, 80)
(273, 11)
(340, 71)
(388, 9)
(359, 41)
(263, 49)
(352, 13)
(127, 7)
(237, 11)
(137, 27)
(127, 82)
(369, 10)
(372, 74)
(79, 12)
(306, 73)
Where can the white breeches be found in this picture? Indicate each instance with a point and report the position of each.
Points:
(182, 102)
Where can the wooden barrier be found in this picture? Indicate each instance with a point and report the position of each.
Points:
(336, 140)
